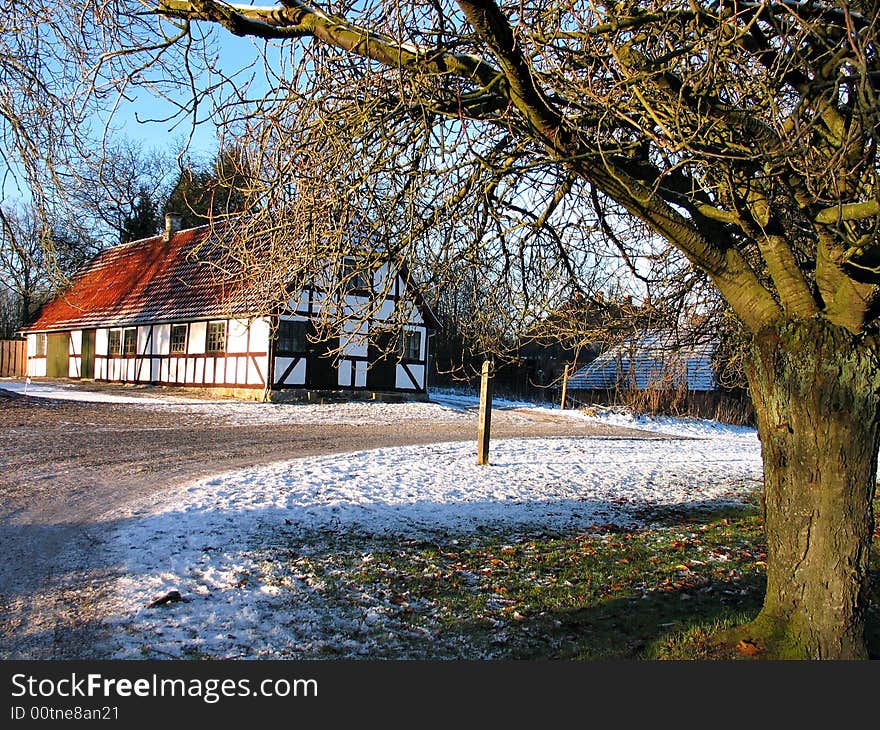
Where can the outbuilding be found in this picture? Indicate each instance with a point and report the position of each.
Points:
(656, 359)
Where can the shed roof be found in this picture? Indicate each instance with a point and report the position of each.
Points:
(654, 358)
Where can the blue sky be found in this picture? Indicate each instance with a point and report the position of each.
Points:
(129, 117)
(232, 54)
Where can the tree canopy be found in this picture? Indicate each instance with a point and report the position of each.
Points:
(719, 153)
(742, 133)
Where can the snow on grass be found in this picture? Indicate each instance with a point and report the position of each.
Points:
(241, 413)
(446, 405)
(228, 542)
(614, 416)
(681, 427)
(73, 391)
(465, 400)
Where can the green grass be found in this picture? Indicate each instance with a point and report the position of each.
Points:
(656, 593)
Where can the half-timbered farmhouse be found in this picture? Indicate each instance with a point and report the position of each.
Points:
(151, 311)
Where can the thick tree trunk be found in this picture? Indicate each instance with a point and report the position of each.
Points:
(815, 388)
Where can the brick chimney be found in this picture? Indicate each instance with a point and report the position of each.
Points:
(173, 221)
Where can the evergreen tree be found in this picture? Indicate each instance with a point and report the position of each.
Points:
(144, 220)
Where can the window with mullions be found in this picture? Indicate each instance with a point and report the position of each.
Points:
(291, 337)
(178, 339)
(216, 337)
(353, 276)
(114, 342)
(411, 345)
(129, 342)
(41, 345)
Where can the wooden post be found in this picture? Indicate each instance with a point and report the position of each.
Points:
(485, 423)
(564, 388)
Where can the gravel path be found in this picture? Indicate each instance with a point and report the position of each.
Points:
(65, 463)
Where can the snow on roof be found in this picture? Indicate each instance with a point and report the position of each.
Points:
(654, 358)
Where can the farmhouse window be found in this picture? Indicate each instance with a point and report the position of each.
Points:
(353, 277)
(114, 342)
(216, 337)
(411, 345)
(178, 339)
(129, 342)
(291, 337)
(41, 345)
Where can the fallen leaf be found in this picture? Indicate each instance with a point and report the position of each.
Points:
(748, 647)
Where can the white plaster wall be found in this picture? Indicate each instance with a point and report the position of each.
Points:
(360, 374)
(297, 376)
(101, 341)
(356, 344)
(402, 379)
(198, 332)
(161, 339)
(385, 310)
(74, 343)
(237, 336)
(261, 332)
(300, 303)
(257, 374)
(210, 371)
(36, 367)
(344, 371)
(144, 341)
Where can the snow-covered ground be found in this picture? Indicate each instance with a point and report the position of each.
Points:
(218, 541)
(681, 427)
(74, 391)
(229, 543)
(445, 405)
(236, 412)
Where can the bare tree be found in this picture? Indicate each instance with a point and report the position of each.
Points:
(120, 192)
(741, 134)
(720, 154)
(34, 261)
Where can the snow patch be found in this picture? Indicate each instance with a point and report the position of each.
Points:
(216, 540)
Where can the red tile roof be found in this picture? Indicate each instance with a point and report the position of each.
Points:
(151, 280)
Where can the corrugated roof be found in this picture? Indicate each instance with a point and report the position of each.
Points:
(151, 280)
(653, 359)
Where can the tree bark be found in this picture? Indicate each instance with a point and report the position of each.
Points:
(815, 388)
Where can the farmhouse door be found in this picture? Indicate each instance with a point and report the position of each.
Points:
(382, 368)
(322, 372)
(56, 356)
(88, 354)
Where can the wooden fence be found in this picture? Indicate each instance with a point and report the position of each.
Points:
(13, 358)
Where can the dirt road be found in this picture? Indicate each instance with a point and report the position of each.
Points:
(64, 463)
